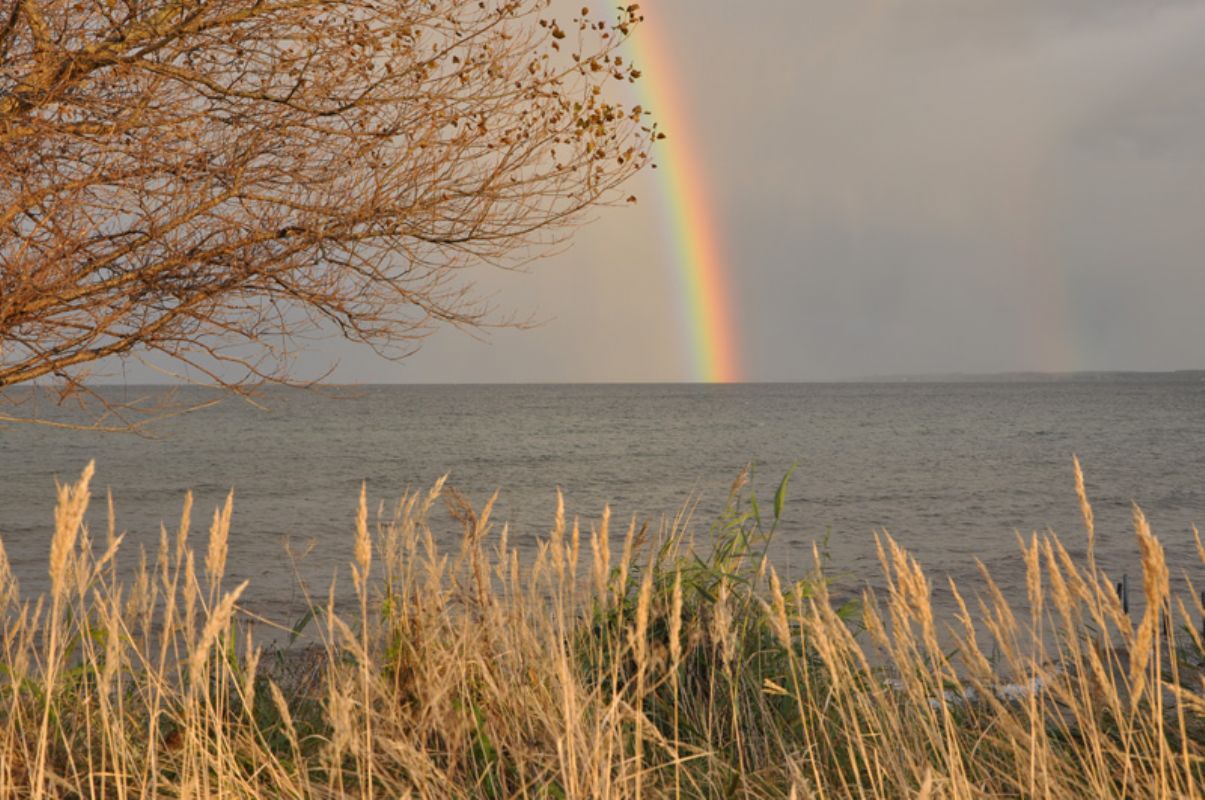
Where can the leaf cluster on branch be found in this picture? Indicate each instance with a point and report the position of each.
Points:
(206, 180)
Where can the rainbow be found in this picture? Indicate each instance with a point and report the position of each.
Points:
(700, 265)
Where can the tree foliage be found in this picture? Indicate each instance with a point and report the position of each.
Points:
(204, 180)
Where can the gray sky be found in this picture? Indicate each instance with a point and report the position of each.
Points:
(903, 187)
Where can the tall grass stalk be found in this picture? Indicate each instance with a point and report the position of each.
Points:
(678, 671)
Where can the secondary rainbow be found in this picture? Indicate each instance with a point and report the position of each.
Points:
(700, 265)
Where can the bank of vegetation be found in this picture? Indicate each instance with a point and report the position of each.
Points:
(612, 663)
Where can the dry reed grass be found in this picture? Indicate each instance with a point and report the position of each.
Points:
(671, 674)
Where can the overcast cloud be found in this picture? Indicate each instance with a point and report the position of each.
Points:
(914, 186)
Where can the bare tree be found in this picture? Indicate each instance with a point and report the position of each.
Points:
(206, 180)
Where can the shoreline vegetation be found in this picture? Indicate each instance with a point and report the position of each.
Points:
(654, 669)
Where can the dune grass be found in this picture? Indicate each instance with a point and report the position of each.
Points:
(652, 670)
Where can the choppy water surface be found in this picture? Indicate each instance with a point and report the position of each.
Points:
(951, 470)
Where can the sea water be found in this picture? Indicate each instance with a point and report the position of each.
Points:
(954, 471)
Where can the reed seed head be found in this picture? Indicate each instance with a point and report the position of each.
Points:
(219, 535)
(68, 519)
(363, 540)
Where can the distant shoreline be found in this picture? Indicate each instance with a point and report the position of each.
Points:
(1101, 376)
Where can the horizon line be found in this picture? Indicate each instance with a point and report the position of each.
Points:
(928, 377)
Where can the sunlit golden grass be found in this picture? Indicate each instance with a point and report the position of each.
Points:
(654, 671)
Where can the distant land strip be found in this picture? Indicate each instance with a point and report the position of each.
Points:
(1102, 376)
